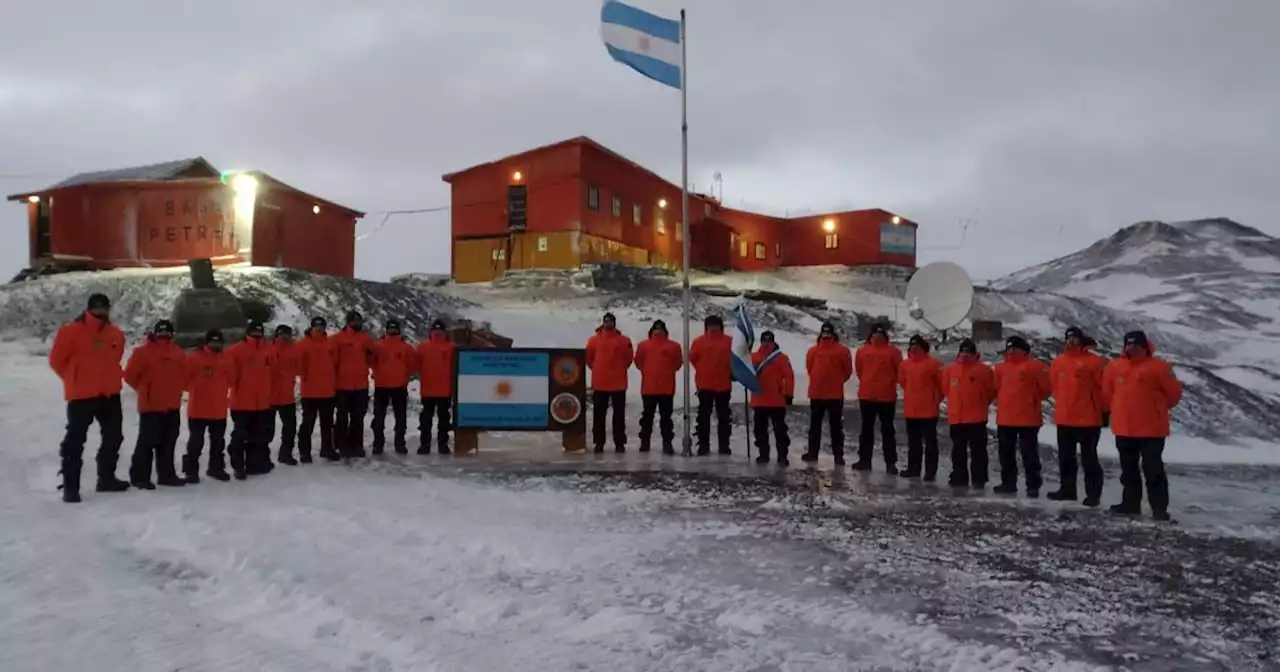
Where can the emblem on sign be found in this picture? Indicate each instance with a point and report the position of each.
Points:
(566, 408)
(566, 371)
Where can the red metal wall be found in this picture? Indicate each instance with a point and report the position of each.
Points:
(633, 186)
(288, 233)
(858, 240)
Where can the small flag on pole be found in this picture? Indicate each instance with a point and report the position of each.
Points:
(744, 338)
(647, 43)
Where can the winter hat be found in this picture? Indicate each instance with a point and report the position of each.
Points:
(255, 329)
(827, 329)
(1138, 338)
(284, 330)
(437, 325)
(918, 341)
(98, 301)
(713, 321)
(767, 337)
(1076, 332)
(1017, 343)
(967, 347)
(163, 327)
(393, 326)
(354, 316)
(318, 322)
(658, 325)
(609, 318)
(213, 336)
(878, 329)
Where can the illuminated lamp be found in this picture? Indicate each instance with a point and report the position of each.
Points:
(829, 225)
(896, 219)
(315, 209)
(662, 202)
(517, 176)
(33, 199)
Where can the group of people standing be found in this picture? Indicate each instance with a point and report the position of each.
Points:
(254, 382)
(1133, 394)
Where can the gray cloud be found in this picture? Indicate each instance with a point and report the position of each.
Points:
(1046, 124)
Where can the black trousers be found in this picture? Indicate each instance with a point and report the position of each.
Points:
(157, 440)
(441, 408)
(82, 413)
(922, 441)
(601, 402)
(250, 436)
(1086, 440)
(314, 409)
(662, 405)
(398, 399)
(775, 418)
(217, 431)
(833, 411)
(969, 454)
(882, 412)
(1142, 459)
(1012, 442)
(288, 415)
(348, 426)
(718, 401)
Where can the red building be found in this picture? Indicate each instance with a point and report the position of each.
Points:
(584, 204)
(168, 213)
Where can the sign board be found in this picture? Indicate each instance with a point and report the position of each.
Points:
(897, 238)
(988, 330)
(520, 389)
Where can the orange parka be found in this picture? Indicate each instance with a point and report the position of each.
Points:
(394, 361)
(711, 357)
(658, 358)
(1140, 393)
(157, 371)
(354, 352)
(86, 355)
(284, 375)
(969, 388)
(920, 376)
(1022, 385)
(877, 367)
(317, 366)
(435, 366)
(208, 382)
(829, 365)
(609, 356)
(252, 361)
(1075, 378)
(777, 379)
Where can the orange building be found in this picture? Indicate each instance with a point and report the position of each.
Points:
(168, 213)
(583, 203)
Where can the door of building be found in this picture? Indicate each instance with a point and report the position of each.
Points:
(44, 230)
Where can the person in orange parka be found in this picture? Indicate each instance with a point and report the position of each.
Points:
(1075, 377)
(777, 389)
(876, 364)
(284, 400)
(1140, 390)
(609, 356)
(1022, 386)
(920, 377)
(157, 371)
(86, 355)
(658, 358)
(252, 361)
(318, 373)
(969, 387)
(829, 365)
(208, 382)
(710, 356)
(435, 386)
(354, 350)
(394, 361)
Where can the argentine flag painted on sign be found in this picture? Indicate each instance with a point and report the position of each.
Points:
(744, 338)
(647, 43)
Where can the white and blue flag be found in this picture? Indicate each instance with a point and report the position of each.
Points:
(744, 339)
(647, 43)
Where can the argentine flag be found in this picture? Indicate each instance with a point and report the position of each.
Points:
(647, 43)
(744, 338)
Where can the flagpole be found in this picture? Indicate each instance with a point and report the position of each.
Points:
(746, 406)
(684, 224)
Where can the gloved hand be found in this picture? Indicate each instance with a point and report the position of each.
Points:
(1106, 419)
(789, 400)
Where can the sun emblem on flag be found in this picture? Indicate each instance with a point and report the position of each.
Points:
(644, 44)
(502, 389)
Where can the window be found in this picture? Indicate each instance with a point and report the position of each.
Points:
(777, 250)
(833, 241)
(761, 251)
(636, 215)
(660, 225)
(542, 243)
(742, 249)
(593, 198)
(498, 255)
(617, 206)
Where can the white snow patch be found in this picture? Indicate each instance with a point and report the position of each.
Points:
(1189, 449)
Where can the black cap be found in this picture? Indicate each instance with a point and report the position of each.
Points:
(284, 329)
(878, 329)
(1077, 332)
(918, 341)
(1017, 343)
(658, 325)
(713, 321)
(767, 337)
(827, 329)
(609, 318)
(354, 316)
(320, 322)
(163, 327)
(255, 328)
(393, 325)
(99, 301)
(213, 336)
(437, 324)
(968, 346)
(1137, 338)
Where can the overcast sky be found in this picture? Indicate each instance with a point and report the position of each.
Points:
(1042, 124)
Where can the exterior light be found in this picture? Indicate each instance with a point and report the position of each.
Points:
(244, 184)
(662, 202)
(33, 199)
(315, 209)
(517, 176)
(896, 219)
(829, 225)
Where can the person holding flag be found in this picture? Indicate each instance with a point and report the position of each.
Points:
(777, 383)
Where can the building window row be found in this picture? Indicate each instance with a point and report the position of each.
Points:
(832, 241)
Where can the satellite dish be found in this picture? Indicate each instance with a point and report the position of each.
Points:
(940, 294)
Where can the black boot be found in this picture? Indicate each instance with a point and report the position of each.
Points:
(1005, 489)
(1126, 510)
(70, 482)
(424, 449)
(170, 481)
(644, 446)
(109, 483)
(402, 449)
(1092, 501)
(286, 458)
(1161, 516)
(1061, 495)
(668, 449)
(861, 465)
(218, 475)
(809, 456)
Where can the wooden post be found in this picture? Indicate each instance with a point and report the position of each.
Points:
(466, 441)
(574, 442)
